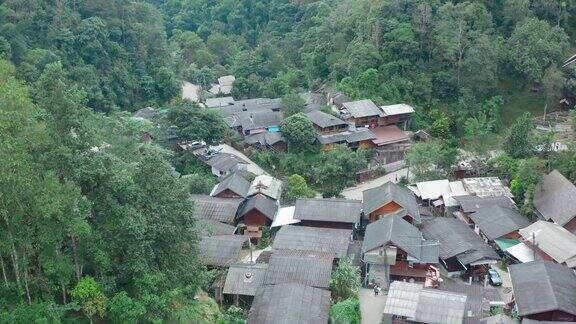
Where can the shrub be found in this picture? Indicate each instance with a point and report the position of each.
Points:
(346, 312)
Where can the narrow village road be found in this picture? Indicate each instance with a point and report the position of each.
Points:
(356, 191)
(371, 307)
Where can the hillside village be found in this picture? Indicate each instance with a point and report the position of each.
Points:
(454, 250)
(288, 162)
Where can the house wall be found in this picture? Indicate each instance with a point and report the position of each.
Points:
(571, 225)
(255, 218)
(552, 316)
(322, 224)
(386, 209)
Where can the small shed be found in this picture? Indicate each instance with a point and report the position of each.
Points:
(221, 250)
(243, 280)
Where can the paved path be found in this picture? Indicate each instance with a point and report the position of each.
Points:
(356, 191)
(371, 307)
(252, 167)
(190, 91)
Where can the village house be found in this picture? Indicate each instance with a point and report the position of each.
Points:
(412, 303)
(398, 114)
(290, 303)
(218, 102)
(222, 164)
(232, 186)
(470, 204)
(274, 141)
(461, 250)
(361, 113)
(387, 199)
(224, 85)
(221, 250)
(315, 239)
(546, 241)
(218, 209)
(394, 249)
(499, 225)
(306, 267)
(544, 291)
(337, 100)
(243, 280)
(258, 211)
(328, 213)
(486, 187)
(555, 200)
(266, 185)
(331, 131)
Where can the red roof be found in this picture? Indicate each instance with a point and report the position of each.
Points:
(389, 135)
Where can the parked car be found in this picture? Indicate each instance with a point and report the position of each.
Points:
(494, 278)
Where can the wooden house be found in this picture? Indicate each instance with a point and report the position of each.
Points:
(328, 213)
(394, 249)
(555, 200)
(387, 199)
(544, 291)
(232, 186)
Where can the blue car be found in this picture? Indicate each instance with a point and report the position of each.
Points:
(494, 278)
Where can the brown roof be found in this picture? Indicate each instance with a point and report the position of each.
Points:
(389, 135)
(555, 198)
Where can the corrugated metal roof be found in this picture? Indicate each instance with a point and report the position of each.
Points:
(316, 239)
(306, 267)
(542, 286)
(555, 198)
(290, 303)
(424, 305)
(471, 204)
(430, 190)
(457, 240)
(244, 279)
(396, 231)
(323, 120)
(266, 185)
(552, 239)
(363, 108)
(328, 210)
(497, 221)
(267, 206)
(221, 250)
(233, 182)
(397, 109)
(215, 208)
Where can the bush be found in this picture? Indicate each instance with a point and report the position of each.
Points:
(346, 312)
(345, 281)
(235, 315)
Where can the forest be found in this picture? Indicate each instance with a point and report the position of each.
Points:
(96, 224)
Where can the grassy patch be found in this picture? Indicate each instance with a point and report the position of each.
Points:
(518, 99)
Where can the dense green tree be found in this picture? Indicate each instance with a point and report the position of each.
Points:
(292, 104)
(534, 46)
(295, 187)
(346, 312)
(519, 141)
(188, 122)
(345, 280)
(299, 132)
(478, 134)
(89, 294)
(430, 160)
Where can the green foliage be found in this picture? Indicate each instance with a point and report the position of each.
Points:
(430, 160)
(345, 281)
(123, 309)
(292, 104)
(295, 187)
(90, 296)
(202, 310)
(519, 141)
(346, 311)
(478, 134)
(186, 121)
(299, 132)
(535, 45)
(235, 315)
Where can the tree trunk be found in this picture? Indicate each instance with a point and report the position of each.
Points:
(15, 265)
(3, 270)
(63, 287)
(26, 280)
(77, 267)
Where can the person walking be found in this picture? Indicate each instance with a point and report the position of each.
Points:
(376, 290)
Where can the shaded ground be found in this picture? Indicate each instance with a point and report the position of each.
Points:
(371, 307)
